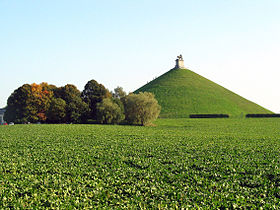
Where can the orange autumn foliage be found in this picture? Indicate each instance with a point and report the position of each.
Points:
(41, 99)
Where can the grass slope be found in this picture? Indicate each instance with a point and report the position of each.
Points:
(181, 92)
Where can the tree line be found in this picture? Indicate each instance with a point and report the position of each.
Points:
(47, 103)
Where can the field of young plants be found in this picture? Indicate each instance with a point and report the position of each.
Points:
(180, 163)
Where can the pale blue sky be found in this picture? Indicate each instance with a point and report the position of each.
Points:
(235, 43)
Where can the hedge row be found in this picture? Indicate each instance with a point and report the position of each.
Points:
(209, 116)
(262, 115)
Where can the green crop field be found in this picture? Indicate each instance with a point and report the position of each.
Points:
(182, 163)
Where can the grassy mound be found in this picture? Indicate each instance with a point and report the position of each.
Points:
(181, 92)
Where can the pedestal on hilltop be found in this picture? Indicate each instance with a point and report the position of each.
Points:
(179, 62)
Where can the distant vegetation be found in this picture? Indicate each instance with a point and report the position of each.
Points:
(209, 116)
(141, 108)
(179, 164)
(175, 94)
(181, 92)
(262, 115)
(95, 104)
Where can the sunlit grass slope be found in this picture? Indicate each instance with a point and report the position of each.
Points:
(181, 92)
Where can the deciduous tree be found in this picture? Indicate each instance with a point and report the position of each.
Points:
(75, 107)
(141, 109)
(109, 112)
(18, 105)
(57, 111)
(119, 92)
(40, 100)
(28, 103)
(92, 94)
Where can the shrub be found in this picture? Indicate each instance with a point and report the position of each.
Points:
(209, 116)
(141, 109)
(108, 112)
(262, 115)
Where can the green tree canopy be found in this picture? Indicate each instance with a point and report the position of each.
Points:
(119, 92)
(18, 105)
(57, 111)
(67, 92)
(92, 94)
(75, 108)
(141, 109)
(28, 103)
(109, 112)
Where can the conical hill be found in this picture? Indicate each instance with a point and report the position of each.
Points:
(182, 92)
